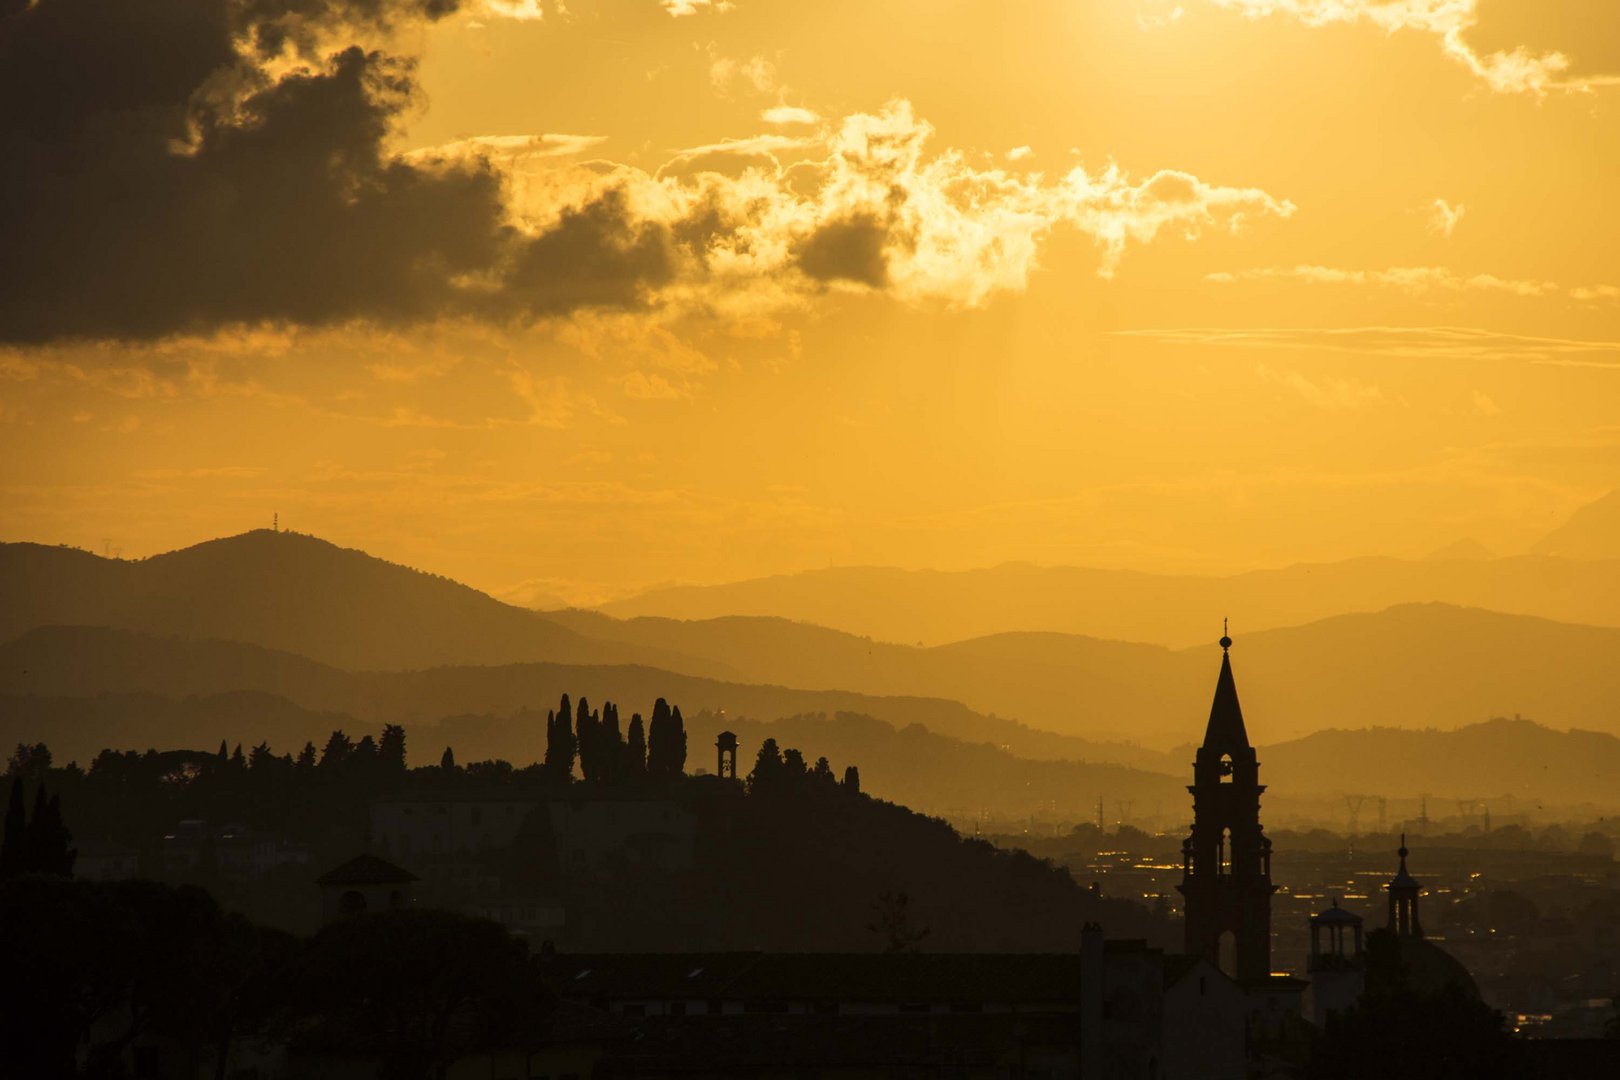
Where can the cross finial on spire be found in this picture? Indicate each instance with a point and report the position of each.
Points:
(1226, 637)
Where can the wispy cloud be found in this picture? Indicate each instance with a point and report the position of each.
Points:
(1516, 71)
(1455, 342)
(1443, 217)
(1419, 281)
(1409, 279)
(506, 147)
(790, 114)
(679, 8)
(1329, 394)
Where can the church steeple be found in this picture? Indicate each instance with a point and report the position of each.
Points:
(1225, 730)
(1226, 877)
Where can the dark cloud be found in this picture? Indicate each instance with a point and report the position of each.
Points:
(595, 256)
(156, 183)
(847, 250)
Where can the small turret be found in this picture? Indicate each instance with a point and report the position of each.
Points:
(1403, 899)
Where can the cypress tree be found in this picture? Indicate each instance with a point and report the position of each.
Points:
(635, 749)
(14, 847)
(49, 840)
(852, 780)
(553, 756)
(677, 743)
(612, 743)
(658, 740)
(447, 760)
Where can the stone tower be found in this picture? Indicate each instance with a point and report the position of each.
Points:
(1226, 862)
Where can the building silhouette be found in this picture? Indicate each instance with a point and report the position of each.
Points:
(726, 756)
(365, 883)
(1226, 861)
(1338, 965)
(1426, 967)
(1403, 900)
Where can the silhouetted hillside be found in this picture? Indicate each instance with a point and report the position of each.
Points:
(291, 592)
(928, 606)
(1592, 532)
(1422, 665)
(1076, 686)
(87, 661)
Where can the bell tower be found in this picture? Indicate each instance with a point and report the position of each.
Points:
(1226, 861)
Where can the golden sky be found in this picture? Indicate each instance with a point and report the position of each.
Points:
(607, 293)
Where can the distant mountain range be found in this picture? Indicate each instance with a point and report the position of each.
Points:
(1571, 575)
(934, 607)
(1414, 666)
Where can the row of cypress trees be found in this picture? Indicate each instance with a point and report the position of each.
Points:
(37, 843)
(608, 754)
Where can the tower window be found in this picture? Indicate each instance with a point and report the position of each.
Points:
(1226, 768)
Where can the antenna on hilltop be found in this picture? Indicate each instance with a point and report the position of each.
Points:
(275, 522)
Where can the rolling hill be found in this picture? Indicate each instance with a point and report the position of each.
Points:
(290, 592)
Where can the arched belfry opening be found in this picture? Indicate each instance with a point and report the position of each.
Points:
(1226, 860)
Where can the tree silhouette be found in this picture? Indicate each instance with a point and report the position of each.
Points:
(417, 988)
(561, 744)
(337, 751)
(635, 749)
(767, 773)
(391, 750)
(48, 843)
(894, 923)
(677, 743)
(852, 780)
(666, 741)
(447, 760)
(14, 853)
(31, 762)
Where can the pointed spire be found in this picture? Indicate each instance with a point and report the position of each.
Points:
(1403, 878)
(1226, 730)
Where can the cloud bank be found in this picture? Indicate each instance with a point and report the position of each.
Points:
(193, 165)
